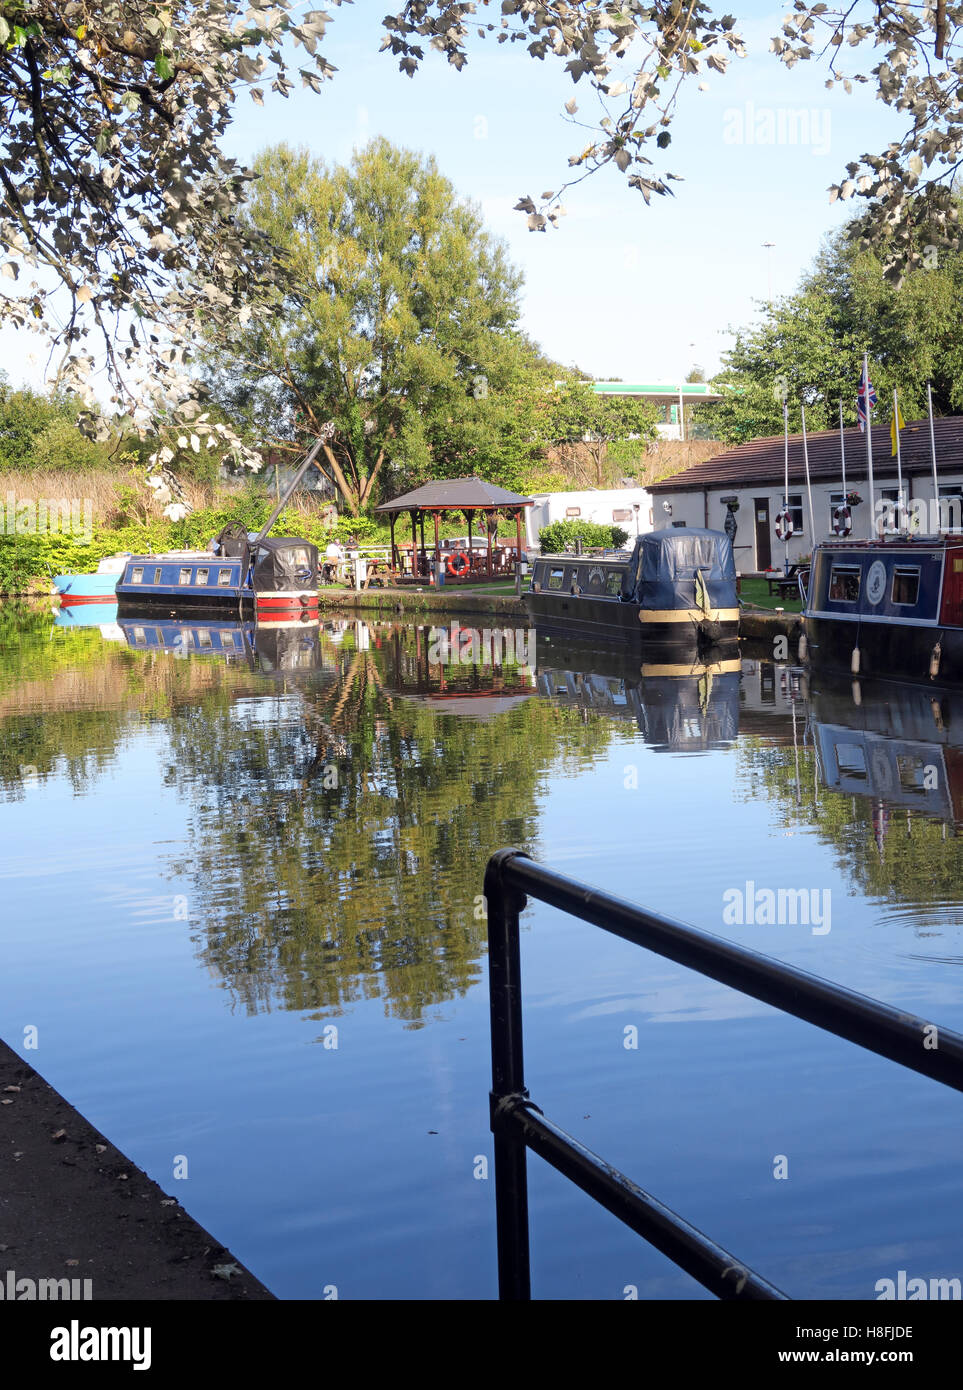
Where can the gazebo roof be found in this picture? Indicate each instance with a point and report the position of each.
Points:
(456, 493)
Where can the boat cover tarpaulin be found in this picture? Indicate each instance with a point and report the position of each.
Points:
(284, 563)
(665, 565)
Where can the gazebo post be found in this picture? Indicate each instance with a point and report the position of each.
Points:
(394, 548)
(488, 533)
(423, 535)
(414, 543)
(437, 547)
(469, 513)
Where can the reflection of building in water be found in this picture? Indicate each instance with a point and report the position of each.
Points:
(461, 670)
(678, 707)
(897, 743)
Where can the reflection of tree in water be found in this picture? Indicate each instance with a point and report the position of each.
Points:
(338, 847)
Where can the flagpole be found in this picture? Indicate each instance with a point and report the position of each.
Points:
(842, 447)
(812, 518)
(936, 486)
(899, 467)
(869, 449)
(785, 496)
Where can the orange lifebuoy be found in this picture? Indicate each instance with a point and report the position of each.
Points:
(784, 526)
(453, 567)
(842, 521)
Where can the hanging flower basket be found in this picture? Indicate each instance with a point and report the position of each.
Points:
(733, 506)
(853, 499)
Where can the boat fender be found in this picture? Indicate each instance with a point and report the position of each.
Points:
(803, 646)
(857, 693)
(935, 658)
(854, 663)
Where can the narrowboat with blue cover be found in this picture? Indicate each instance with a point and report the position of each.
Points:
(891, 608)
(285, 647)
(676, 588)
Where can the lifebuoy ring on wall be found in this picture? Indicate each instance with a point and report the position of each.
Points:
(454, 568)
(842, 521)
(784, 526)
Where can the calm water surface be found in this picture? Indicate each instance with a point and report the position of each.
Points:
(241, 878)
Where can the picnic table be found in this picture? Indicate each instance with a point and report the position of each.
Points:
(786, 585)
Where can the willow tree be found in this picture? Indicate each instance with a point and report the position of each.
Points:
(397, 312)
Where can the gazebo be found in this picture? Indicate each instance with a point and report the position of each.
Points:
(467, 495)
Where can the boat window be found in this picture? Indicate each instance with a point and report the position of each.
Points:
(157, 575)
(622, 514)
(227, 639)
(906, 584)
(912, 772)
(137, 575)
(224, 578)
(595, 582)
(185, 575)
(139, 635)
(204, 638)
(555, 578)
(844, 583)
(614, 586)
(202, 576)
(851, 760)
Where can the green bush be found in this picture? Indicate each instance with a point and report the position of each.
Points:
(553, 539)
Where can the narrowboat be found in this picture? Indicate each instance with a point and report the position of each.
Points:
(675, 588)
(285, 647)
(99, 587)
(239, 571)
(891, 608)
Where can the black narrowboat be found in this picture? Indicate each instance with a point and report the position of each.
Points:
(891, 608)
(676, 588)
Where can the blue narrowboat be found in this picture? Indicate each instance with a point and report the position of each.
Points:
(276, 575)
(890, 608)
(676, 589)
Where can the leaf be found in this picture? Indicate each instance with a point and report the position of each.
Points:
(10, 269)
(4, 30)
(162, 66)
(571, 106)
(85, 294)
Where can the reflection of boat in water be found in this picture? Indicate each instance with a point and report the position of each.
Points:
(281, 647)
(679, 706)
(896, 742)
(102, 615)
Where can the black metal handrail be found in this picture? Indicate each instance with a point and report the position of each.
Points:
(518, 1124)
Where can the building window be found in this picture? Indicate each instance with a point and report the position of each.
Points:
(185, 575)
(889, 522)
(836, 499)
(555, 578)
(224, 578)
(951, 508)
(844, 583)
(906, 584)
(137, 575)
(202, 576)
(795, 504)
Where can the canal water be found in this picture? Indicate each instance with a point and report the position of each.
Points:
(242, 919)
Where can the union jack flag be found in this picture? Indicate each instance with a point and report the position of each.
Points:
(866, 391)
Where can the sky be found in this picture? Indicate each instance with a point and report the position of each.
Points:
(620, 289)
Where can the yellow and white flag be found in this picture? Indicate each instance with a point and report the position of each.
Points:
(896, 425)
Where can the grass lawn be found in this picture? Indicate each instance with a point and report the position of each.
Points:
(757, 591)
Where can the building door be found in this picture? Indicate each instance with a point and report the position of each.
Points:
(760, 509)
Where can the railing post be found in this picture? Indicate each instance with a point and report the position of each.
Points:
(508, 1080)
